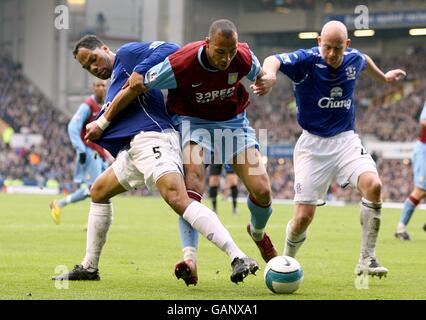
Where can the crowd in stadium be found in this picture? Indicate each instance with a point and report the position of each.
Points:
(390, 114)
(28, 111)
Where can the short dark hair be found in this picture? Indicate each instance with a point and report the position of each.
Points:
(89, 41)
(225, 27)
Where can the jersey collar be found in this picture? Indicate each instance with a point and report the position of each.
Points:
(200, 51)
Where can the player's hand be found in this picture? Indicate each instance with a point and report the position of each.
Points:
(135, 83)
(93, 132)
(394, 75)
(264, 84)
(82, 157)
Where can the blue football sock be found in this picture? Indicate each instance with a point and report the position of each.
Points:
(188, 235)
(259, 217)
(407, 211)
(78, 195)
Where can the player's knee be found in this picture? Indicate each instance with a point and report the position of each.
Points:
(373, 189)
(262, 193)
(175, 195)
(194, 181)
(177, 201)
(97, 193)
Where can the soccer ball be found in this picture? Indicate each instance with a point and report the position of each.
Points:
(283, 274)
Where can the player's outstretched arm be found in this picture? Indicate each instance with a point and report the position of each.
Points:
(95, 129)
(268, 77)
(375, 73)
(76, 124)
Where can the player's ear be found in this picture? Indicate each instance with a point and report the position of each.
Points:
(319, 41)
(105, 48)
(348, 42)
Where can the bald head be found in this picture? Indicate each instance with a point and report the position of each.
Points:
(333, 42)
(334, 29)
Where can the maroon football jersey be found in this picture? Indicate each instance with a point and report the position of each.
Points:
(94, 108)
(212, 95)
(422, 136)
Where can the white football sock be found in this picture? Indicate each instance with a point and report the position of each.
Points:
(293, 241)
(257, 234)
(205, 221)
(100, 218)
(189, 253)
(401, 228)
(370, 225)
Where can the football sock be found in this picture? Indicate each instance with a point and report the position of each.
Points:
(293, 241)
(234, 194)
(213, 196)
(259, 217)
(189, 253)
(100, 219)
(78, 195)
(370, 225)
(407, 211)
(206, 222)
(188, 236)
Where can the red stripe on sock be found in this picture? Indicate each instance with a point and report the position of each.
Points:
(194, 195)
(257, 203)
(413, 200)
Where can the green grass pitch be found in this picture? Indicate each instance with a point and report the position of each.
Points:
(143, 245)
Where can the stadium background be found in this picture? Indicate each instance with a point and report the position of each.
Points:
(41, 85)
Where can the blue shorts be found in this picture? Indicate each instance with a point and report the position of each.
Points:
(419, 165)
(90, 170)
(216, 169)
(222, 140)
(228, 169)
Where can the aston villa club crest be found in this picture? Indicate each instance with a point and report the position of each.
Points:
(232, 77)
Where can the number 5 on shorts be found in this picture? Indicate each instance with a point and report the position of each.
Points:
(157, 152)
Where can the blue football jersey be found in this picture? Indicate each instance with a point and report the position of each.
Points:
(324, 95)
(148, 111)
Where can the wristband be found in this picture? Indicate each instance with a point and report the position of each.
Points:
(102, 122)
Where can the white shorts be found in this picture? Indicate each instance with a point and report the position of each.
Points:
(151, 155)
(317, 161)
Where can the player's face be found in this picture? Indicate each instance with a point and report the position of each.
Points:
(221, 50)
(333, 49)
(98, 61)
(99, 89)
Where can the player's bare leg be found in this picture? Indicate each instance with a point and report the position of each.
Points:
(249, 167)
(105, 187)
(186, 269)
(370, 185)
(410, 205)
(297, 227)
